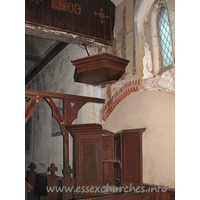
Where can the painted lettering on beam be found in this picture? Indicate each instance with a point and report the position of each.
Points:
(66, 6)
(62, 5)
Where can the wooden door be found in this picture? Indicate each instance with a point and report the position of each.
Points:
(131, 157)
(89, 160)
(108, 157)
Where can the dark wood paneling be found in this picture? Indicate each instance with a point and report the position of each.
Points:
(108, 147)
(128, 151)
(89, 165)
(46, 13)
(96, 19)
(131, 158)
(69, 20)
(39, 12)
(88, 151)
(58, 19)
(74, 16)
(108, 157)
(89, 160)
(78, 11)
(85, 17)
(117, 147)
(108, 173)
(91, 17)
(112, 20)
(30, 10)
(107, 22)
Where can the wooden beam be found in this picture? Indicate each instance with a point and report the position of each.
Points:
(64, 96)
(57, 35)
(53, 53)
(32, 57)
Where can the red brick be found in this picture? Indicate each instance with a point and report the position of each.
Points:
(132, 89)
(129, 91)
(121, 97)
(113, 106)
(115, 103)
(124, 94)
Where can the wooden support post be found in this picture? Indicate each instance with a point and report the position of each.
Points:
(66, 149)
(65, 136)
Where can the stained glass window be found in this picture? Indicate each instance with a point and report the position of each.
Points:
(164, 38)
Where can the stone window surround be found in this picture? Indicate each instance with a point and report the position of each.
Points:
(146, 27)
(155, 40)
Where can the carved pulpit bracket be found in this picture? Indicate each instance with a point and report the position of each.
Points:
(71, 108)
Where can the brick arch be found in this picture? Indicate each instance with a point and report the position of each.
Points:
(128, 88)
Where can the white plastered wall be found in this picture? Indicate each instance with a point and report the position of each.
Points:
(153, 110)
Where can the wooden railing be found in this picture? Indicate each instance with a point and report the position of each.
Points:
(71, 105)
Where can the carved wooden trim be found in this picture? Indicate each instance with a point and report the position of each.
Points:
(67, 182)
(56, 114)
(72, 105)
(30, 103)
(52, 181)
(31, 176)
(72, 108)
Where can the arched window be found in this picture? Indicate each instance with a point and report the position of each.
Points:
(162, 47)
(164, 36)
(154, 27)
